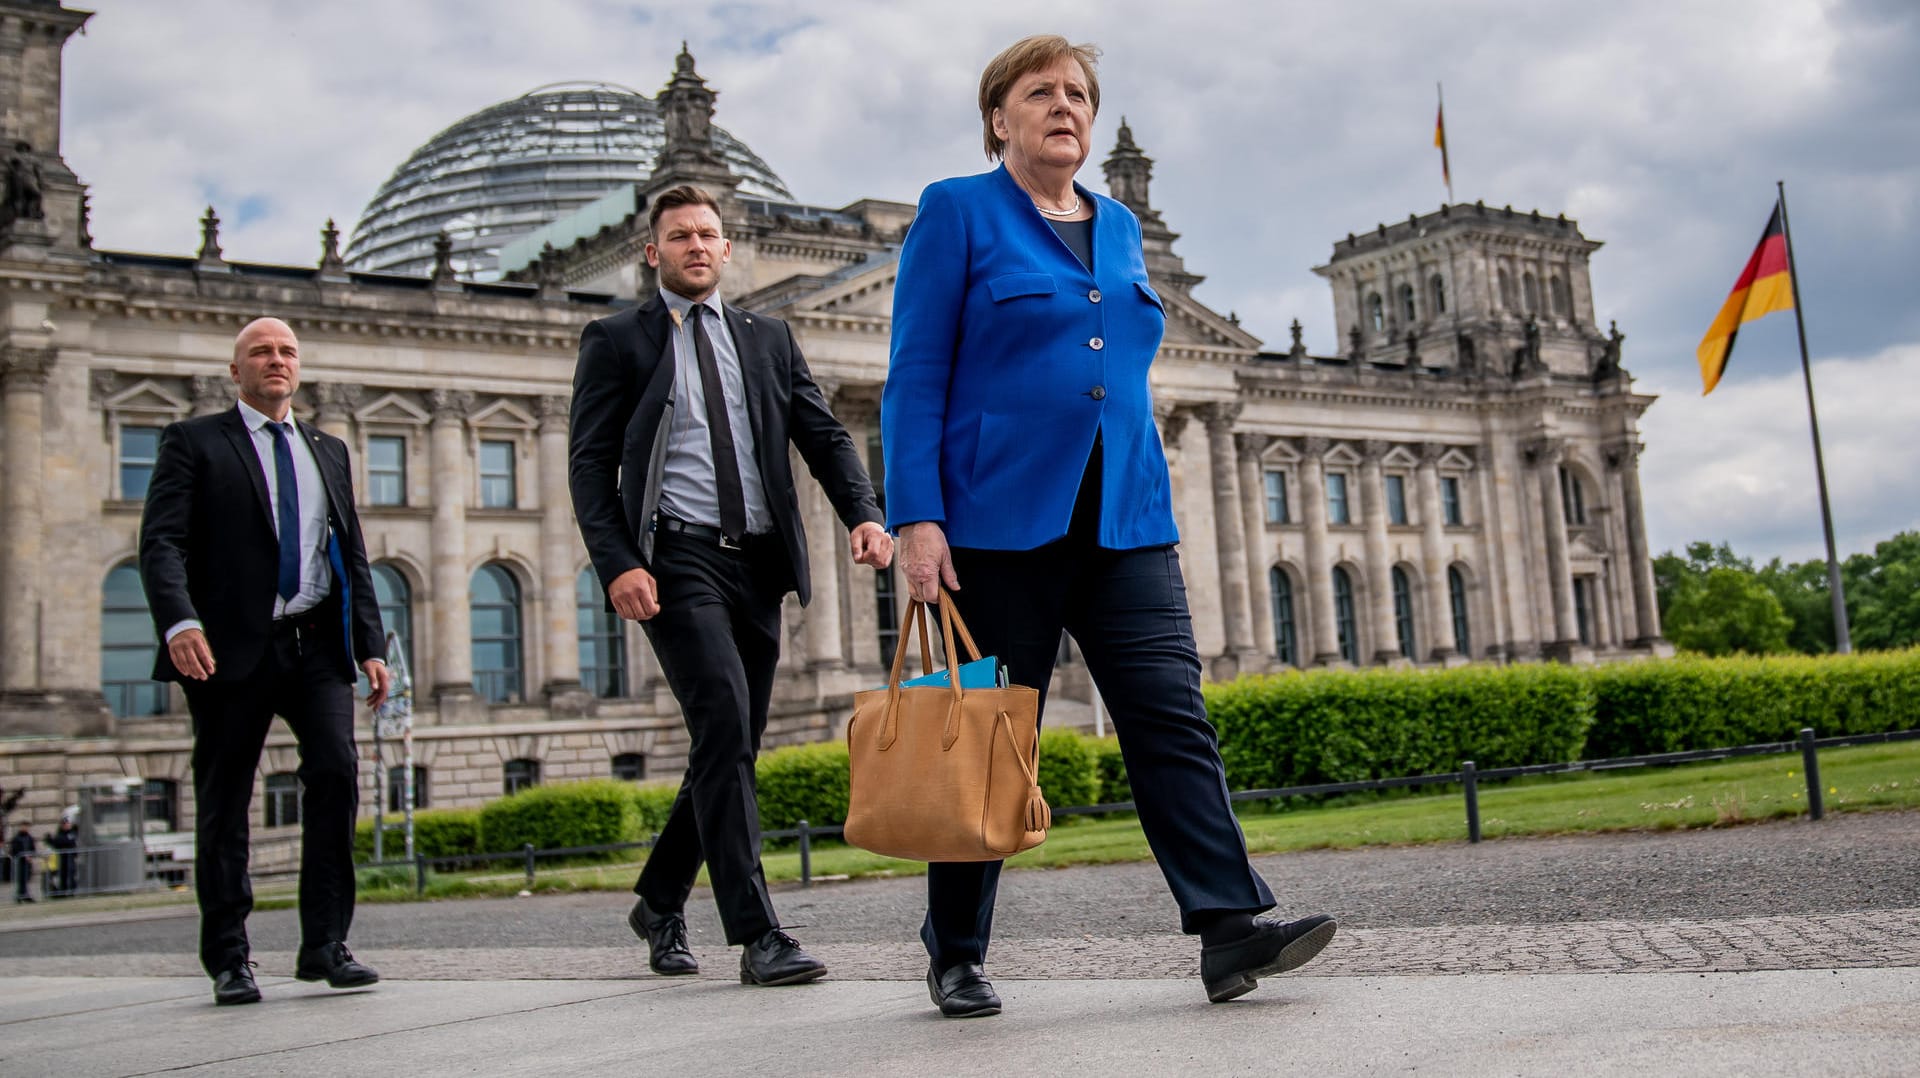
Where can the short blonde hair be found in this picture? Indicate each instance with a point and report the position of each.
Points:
(1024, 57)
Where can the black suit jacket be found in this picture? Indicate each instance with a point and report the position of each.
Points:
(208, 549)
(622, 401)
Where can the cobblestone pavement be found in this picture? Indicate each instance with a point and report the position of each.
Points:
(1843, 893)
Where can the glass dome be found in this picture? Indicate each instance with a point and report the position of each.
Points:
(509, 169)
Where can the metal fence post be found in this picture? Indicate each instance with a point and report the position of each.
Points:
(419, 873)
(806, 855)
(1472, 784)
(1816, 807)
(526, 848)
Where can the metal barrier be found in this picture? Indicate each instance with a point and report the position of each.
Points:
(1468, 777)
(54, 873)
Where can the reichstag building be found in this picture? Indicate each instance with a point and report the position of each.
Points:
(1459, 484)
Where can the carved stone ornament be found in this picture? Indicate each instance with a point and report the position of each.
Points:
(25, 186)
(1374, 450)
(449, 403)
(1251, 444)
(1315, 447)
(1431, 452)
(210, 236)
(26, 367)
(1220, 416)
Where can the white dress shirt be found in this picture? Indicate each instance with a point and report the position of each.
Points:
(316, 575)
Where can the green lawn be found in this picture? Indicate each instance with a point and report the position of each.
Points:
(1639, 799)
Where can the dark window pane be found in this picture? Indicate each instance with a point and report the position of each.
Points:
(1396, 499)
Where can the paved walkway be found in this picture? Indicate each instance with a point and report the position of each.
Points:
(1784, 948)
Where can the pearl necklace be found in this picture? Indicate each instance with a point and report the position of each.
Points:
(1068, 212)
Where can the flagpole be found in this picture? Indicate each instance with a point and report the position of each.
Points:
(1842, 638)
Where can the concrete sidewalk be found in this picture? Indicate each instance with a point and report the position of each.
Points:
(1856, 1022)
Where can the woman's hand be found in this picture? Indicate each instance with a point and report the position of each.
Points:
(926, 561)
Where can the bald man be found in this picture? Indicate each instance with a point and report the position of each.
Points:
(256, 574)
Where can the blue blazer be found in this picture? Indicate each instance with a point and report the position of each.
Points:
(1008, 357)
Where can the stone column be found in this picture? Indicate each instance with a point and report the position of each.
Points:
(1253, 503)
(1313, 512)
(213, 393)
(1173, 424)
(448, 607)
(856, 406)
(1229, 531)
(1545, 455)
(1433, 554)
(1373, 494)
(333, 409)
(23, 381)
(559, 542)
(1646, 609)
(826, 549)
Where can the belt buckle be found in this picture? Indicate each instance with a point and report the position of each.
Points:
(728, 544)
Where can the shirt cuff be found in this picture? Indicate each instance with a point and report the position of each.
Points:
(182, 626)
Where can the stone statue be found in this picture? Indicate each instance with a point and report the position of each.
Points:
(24, 185)
(1609, 364)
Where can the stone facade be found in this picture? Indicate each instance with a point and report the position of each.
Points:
(1468, 464)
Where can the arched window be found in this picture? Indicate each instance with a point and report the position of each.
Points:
(1285, 642)
(603, 643)
(1403, 612)
(1437, 293)
(1407, 309)
(630, 766)
(283, 799)
(397, 788)
(127, 646)
(886, 610)
(390, 590)
(494, 601)
(1531, 289)
(519, 774)
(1376, 312)
(1507, 299)
(1562, 302)
(1343, 616)
(1457, 597)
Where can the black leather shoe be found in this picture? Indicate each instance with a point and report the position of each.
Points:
(666, 936)
(775, 958)
(963, 991)
(334, 964)
(235, 986)
(1230, 970)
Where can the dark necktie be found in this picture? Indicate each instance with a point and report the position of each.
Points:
(726, 466)
(289, 511)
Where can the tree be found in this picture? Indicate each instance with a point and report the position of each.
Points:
(1883, 594)
(1804, 595)
(1726, 611)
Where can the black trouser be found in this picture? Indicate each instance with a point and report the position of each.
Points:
(1127, 610)
(717, 637)
(298, 679)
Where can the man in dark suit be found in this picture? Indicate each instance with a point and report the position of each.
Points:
(682, 411)
(257, 577)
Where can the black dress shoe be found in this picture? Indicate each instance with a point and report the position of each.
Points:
(666, 936)
(235, 986)
(334, 964)
(963, 991)
(775, 958)
(1230, 970)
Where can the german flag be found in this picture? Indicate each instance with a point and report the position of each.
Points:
(1765, 286)
(1440, 143)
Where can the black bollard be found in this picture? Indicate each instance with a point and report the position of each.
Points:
(1472, 785)
(1816, 806)
(806, 855)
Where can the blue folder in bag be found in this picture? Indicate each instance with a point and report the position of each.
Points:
(984, 673)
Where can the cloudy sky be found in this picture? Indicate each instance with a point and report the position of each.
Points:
(1275, 126)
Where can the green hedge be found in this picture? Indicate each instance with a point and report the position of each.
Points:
(449, 832)
(1114, 787)
(803, 782)
(653, 800)
(1069, 769)
(1346, 726)
(596, 812)
(1690, 702)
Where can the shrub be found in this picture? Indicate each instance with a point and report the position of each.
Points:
(653, 800)
(1691, 702)
(1114, 787)
(1069, 769)
(1347, 726)
(597, 812)
(803, 782)
(449, 832)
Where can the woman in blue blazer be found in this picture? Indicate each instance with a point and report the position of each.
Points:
(1024, 473)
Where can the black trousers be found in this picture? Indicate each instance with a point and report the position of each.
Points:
(1127, 610)
(717, 637)
(299, 680)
